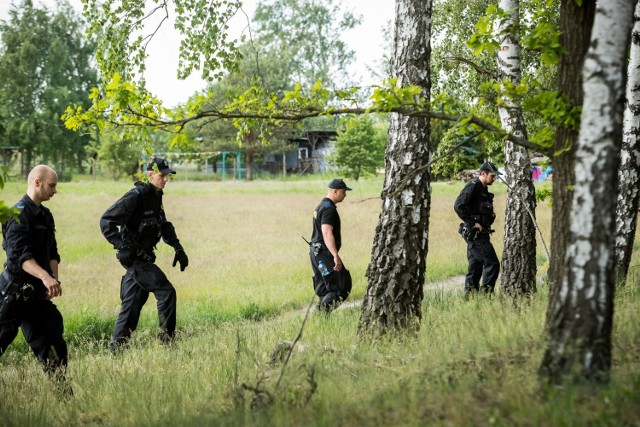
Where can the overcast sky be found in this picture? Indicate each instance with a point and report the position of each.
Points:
(366, 40)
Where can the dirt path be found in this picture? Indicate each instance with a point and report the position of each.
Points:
(448, 285)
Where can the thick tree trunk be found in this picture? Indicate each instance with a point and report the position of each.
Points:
(396, 273)
(581, 315)
(519, 253)
(575, 27)
(629, 173)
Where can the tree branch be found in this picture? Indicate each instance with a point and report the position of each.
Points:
(149, 37)
(473, 65)
(299, 116)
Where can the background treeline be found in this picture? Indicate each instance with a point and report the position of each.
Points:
(47, 64)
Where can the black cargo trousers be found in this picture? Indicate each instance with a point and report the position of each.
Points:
(334, 288)
(43, 328)
(141, 279)
(483, 263)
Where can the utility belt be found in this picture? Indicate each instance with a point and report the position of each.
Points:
(148, 256)
(469, 233)
(10, 293)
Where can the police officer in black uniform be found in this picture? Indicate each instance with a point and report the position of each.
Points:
(134, 225)
(474, 206)
(334, 285)
(30, 277)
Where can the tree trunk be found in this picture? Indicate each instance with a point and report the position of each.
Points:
(581, 315)
(575, 29)
(629, 173)
(519, 253)
(396, 273)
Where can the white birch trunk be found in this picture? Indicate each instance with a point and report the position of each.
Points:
(396, 273)
(519, 253)
(581, 313)
(629, 174)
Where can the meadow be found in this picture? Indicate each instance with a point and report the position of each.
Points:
(247, 290)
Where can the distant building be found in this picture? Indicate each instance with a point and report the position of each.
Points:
(310, 154)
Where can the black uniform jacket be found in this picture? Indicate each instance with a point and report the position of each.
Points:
(30, 234)
(137, 220)
(475, 204)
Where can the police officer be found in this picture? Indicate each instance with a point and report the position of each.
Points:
(134, 225)
(334, 285)
(474, 206)
(30, 277)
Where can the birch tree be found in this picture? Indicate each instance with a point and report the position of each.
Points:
(519, 253)
(396, 272)
(581, 313)
(629, 172)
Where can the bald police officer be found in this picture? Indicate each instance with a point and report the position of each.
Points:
(30, 278)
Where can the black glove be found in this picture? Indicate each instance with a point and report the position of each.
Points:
(125, 256)
(182, 258)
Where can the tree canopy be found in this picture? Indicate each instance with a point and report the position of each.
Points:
(45, 65)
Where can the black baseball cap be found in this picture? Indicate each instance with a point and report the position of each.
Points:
(338, 184)
(490, 167)
(163, 166)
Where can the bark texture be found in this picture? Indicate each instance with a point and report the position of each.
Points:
(396, 272)
(575, 26)
(519, 253)
(581, 315)
(629, 173)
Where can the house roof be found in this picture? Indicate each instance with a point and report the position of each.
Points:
(321, 134)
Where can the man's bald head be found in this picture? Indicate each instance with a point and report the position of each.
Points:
(41, 183)
(41, 172)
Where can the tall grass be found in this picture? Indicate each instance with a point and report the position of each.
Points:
(246, 290)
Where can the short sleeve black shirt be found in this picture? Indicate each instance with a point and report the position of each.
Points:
(326, 213)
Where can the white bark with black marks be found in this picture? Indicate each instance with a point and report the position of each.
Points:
(581, 312)
(629, 173)
(519, 252)
(396, 273)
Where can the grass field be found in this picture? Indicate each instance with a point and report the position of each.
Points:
(247, 288)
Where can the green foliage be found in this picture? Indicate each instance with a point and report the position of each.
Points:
(117, 158)
(391, 96)
(544, 193)
(5, 211)
(556, 110)
(487, 38)
(456, 152)
(123, 30)
(478, 88)
(300, 40)
(45, 64)
(359, 150)
(542, 33)
(538, 31)
(307, 34)
(120, 99)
